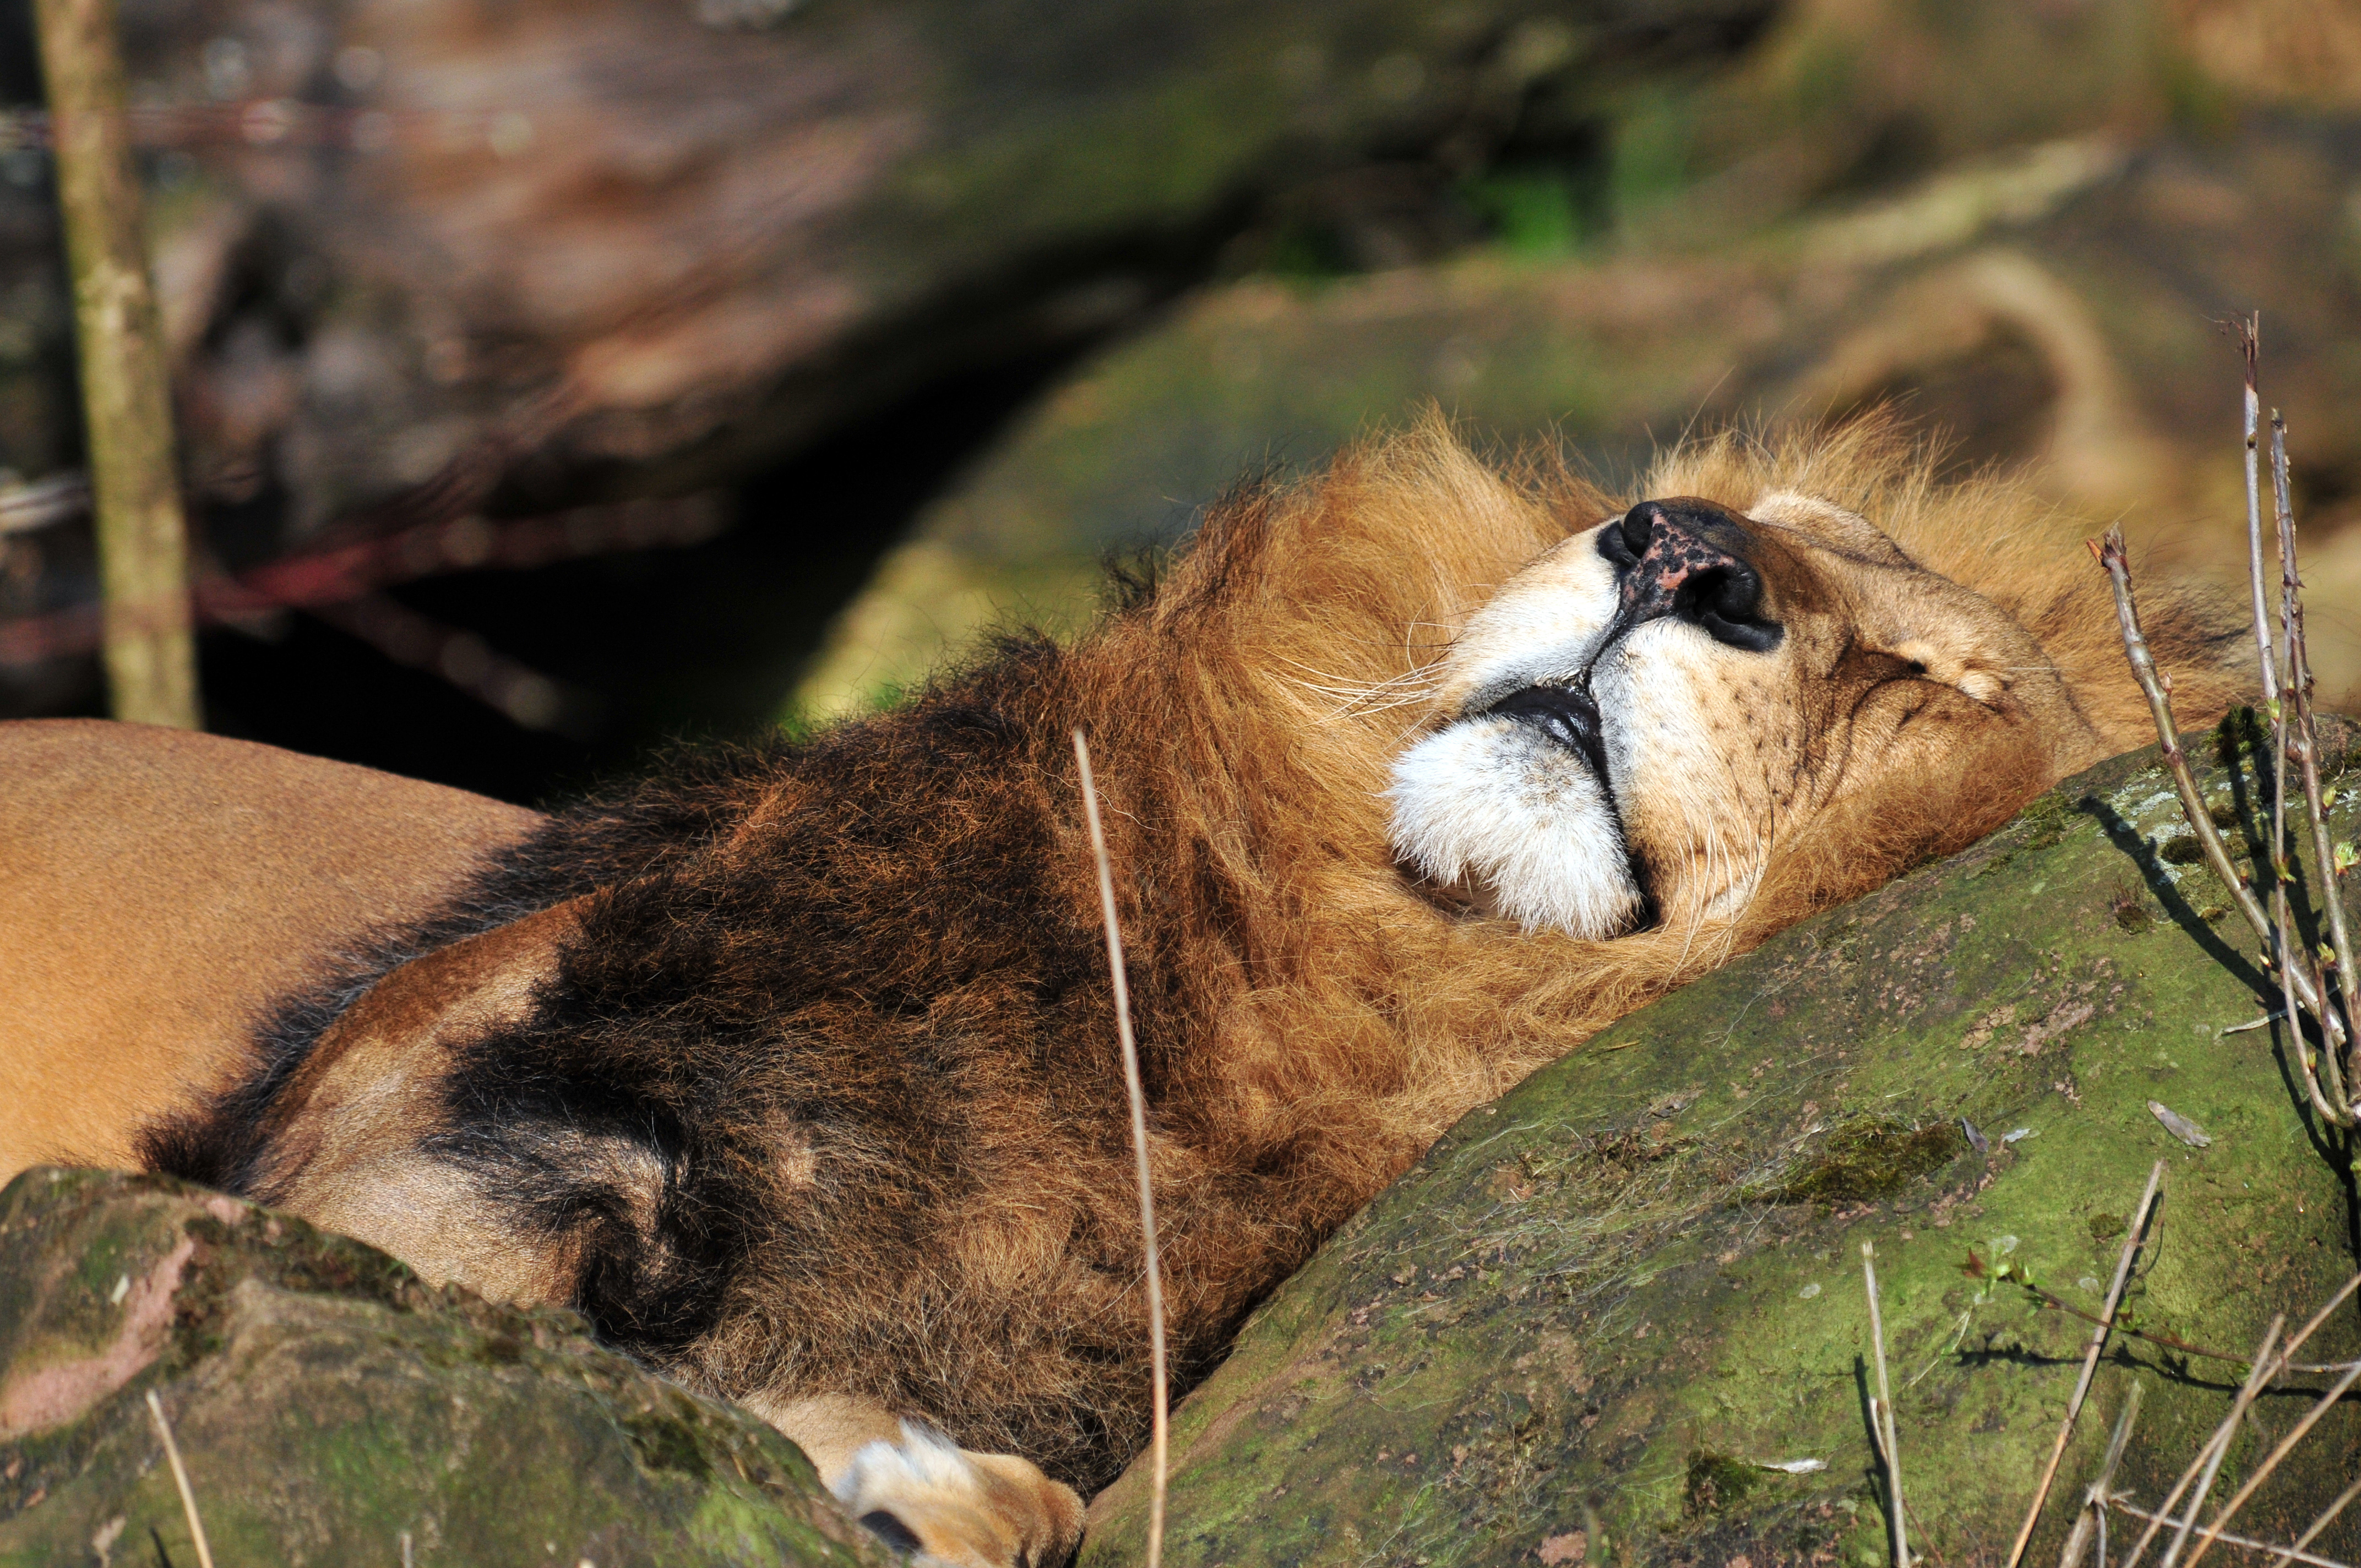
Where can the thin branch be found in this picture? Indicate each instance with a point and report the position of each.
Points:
(2158, 691)
(2287, 1554)
(1887, 1438)
(2306, 754)
(2090, 1361)
(2250, 334)
(149, 643)
(2281, 1363)
(181, 1479)
(1159, 1446)
(2051, 1299)
(2094, 1516)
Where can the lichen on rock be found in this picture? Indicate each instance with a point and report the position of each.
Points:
(331, 1407)
(1623, 1306)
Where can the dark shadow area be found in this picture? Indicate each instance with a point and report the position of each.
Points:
(696, 642)
(2178, 910)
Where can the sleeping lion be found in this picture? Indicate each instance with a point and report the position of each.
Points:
(794, 1067)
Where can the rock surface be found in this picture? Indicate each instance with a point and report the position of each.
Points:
(330, 1409)
(1594, 1318)
(2024, 226)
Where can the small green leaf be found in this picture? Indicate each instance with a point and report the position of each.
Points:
(2346, 858)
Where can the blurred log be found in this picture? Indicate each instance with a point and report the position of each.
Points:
(149, 650)
(559, 251)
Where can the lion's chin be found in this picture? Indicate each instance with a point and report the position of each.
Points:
(1494, 808)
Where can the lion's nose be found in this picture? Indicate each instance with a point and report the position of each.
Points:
(1685, 558)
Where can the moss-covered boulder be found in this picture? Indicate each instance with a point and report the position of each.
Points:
(331, 1408)
(1618, 1315)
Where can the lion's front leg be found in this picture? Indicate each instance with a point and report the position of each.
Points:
(926, 1494)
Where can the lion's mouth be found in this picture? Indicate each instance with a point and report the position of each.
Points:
(1567, 714)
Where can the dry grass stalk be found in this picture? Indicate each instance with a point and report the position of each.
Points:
(1881, 1413)
(2269, 1365)
(2286, 1553)
(2208, 1463)
(1160, 1443)
(181, 1479)
(2093, 1520)
(2285, 1446)
(2311, 1533)
(2090, 1361)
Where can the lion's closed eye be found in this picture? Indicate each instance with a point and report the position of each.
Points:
(1920, 658)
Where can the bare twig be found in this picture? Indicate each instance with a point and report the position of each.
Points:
(2311, 1532)
(2280, 1362)
(2250, 334)
(2305, 753)
(1160, 1443)
(2052, 1300)
(181, 1479)
(2217, 1447)
(2287, 1554)
(2093, 1516)
(1883, 1411)
(2089, 1362)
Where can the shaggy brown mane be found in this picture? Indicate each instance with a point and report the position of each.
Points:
(827, 1096)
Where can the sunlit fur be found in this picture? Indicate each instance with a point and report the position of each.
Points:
(1717, 755)
(846, 998)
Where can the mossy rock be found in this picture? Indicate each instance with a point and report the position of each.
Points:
(331, 1408)
(1590, 1321)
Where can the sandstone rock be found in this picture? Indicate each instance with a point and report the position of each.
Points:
(1618, 1315)
(332, 1409)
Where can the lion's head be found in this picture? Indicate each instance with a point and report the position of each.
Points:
(1750, 678)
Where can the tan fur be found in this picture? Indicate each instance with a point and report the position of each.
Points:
(160, 891)
(1313, 1016)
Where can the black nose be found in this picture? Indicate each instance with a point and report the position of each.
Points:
(1685, 558)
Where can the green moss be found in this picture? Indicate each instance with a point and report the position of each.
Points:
(2044, 823)
(328, 1403)
(1872, 1158)
(1594, 1244)
(1716, 1482)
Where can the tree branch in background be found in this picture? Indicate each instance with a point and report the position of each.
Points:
(149, 642)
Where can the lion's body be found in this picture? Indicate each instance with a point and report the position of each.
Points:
(164, 892)
(805, 1083)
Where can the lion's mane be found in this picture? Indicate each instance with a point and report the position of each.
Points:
(840, 1002)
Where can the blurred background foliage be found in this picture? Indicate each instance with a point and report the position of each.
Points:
(554, 379)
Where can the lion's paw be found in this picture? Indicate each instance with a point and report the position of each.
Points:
(946, 1506)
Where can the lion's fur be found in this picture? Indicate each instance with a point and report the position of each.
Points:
(843, 1003)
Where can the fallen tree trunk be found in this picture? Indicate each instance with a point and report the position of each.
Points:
(548, 249)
